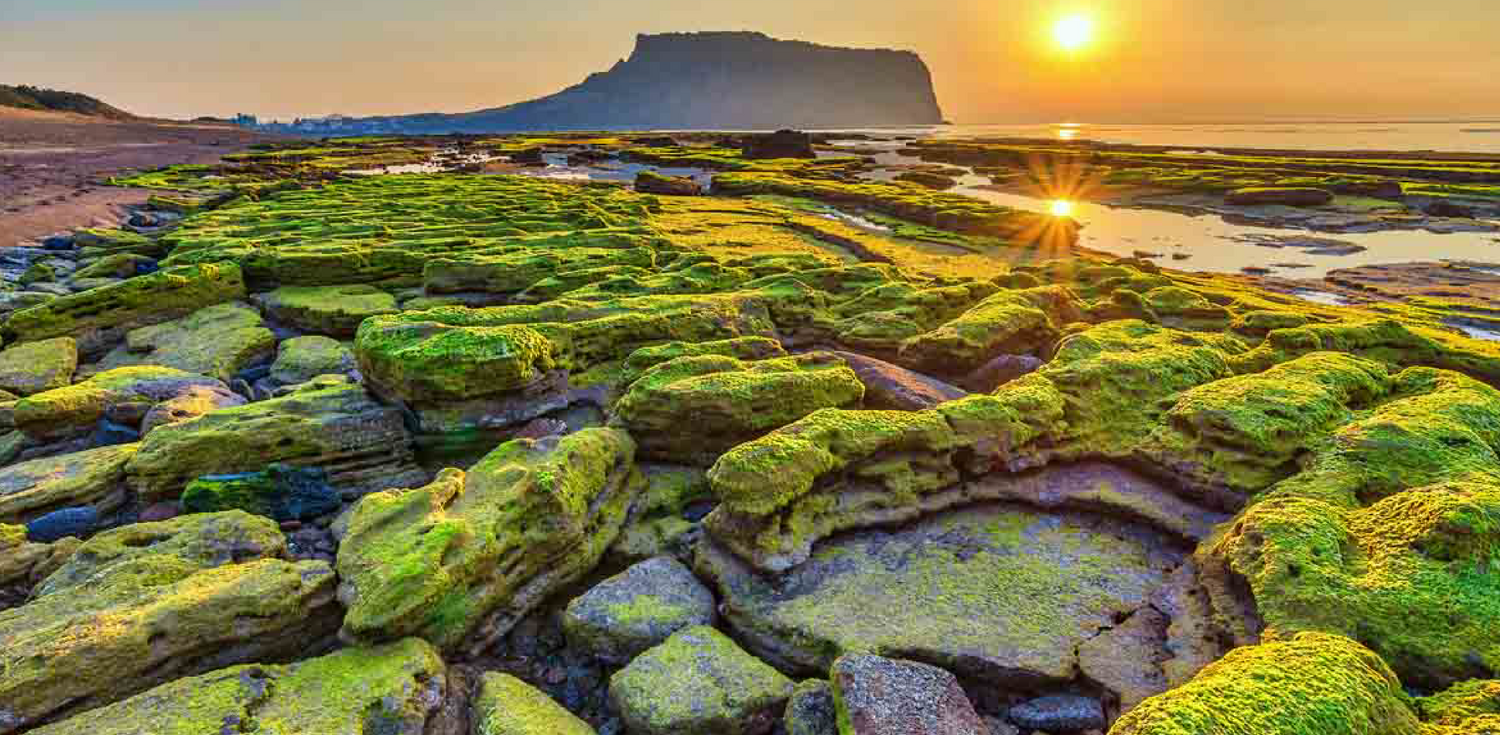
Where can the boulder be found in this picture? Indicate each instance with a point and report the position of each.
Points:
(123, 395)
(895, 388)
(24, 563)
(464, 558)
(1027, 321)
(636, 609)
(97, 317)
(34, 367)
(699, 683)
(218, 341)
(505, 705)
(1061, 713)
(811, 710)
(279, 492)
(780, 144)
(76, 522)
(361, 444)
(999, 371)
(1290, 196)
(884, 696)
(192, 402)
(396, 689)
(117, 265)
(651, 182)
(150, 602)
(692, 409)
(95, 477)
(301, 359)
(999, 593)
(744, 348)
(1310, 682)
(334, 311)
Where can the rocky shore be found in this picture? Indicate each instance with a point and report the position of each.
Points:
(441, 453)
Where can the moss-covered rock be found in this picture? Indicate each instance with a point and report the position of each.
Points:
(520, 268)
(24, 563)
(471, 553)
(96, 316)
(301, 359)
(394, 689)
(1009, 322)
(116, 265)
(699, 683)
(95, 477)
(997, 592)
(191, 403)
(280, 492)
(361, 444)
(335, 311)
(76, 409)
(744, 348)
(811, 710)
(663, 518)
(883, 696)
(636, 609)
(1308, 683)
(149, 602)
(33, 367)
(505, 705)
(218, 341)
(692, 409)
(1466, 708)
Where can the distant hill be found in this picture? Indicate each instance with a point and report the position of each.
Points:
(717, 80)
(36, 98)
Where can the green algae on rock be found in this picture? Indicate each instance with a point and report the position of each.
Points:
(699, 682)
(301, 359)
(506, 705)
(997, 592)
(76, 409)
(1308, 683)
(395, 689)
(92, 317)
(691, 409)
(334, 311)
(638, 608)
(94, 477)
(34, 367)
(744, 348)
(148, 602)
(25, 563)
(470, 554)
(279, 492)
(361, 444)
(218, 341)
(1466, 708)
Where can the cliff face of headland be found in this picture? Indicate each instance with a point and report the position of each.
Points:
(720, 80)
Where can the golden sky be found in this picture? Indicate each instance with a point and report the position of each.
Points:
(992, 60)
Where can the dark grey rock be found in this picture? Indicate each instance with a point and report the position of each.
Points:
(884, 696)
(999, 371)
(780, 144)
(79, 521)
(110, 433)
(811, 710)
(895, 388)
(58, 242)
(1059, 713)
(636, 609)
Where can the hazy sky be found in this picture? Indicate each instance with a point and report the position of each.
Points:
(992, 60)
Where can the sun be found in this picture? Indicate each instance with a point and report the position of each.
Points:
(1073, 32)
(1061, 208)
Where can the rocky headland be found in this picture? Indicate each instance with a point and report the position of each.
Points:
(438, 452)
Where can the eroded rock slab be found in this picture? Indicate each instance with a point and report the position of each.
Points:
(95, 477)
(394, 690)
(998, 592)
(149, 602)
(472, 553)
(699, 683)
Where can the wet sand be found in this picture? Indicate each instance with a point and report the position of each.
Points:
(53, 166)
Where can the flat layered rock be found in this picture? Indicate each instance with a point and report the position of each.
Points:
(94, 477)
(33, 367)
(301, 359)
(692, 409)
(637, 609)
(998, 592)
(150, 602)
(395, 689)
(462, 559)
(218, 341)
(98, 316)
(123, 395)
(334, 311)
(893, 387)
(361, 444)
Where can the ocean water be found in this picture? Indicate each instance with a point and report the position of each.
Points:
(1477, 136)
